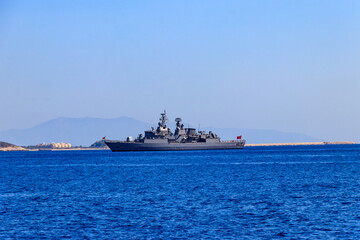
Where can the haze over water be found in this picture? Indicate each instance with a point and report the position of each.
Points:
(254, 193)
(291, 66)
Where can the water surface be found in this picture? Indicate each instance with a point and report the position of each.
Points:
(255, 193)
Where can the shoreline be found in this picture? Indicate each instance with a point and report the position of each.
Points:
(22, 149)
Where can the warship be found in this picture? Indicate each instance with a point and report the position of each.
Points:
(163, 139)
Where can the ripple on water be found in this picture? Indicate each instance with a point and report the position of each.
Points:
(257, 193)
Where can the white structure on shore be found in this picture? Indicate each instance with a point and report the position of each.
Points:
(54, 145)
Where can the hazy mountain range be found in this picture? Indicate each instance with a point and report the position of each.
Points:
(85, 131)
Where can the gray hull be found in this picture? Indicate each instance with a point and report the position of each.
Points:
(122, 146)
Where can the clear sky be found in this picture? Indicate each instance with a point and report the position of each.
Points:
(285, 65)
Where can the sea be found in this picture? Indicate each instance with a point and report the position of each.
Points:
(294, 192)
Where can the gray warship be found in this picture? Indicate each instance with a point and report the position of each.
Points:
(163, 139)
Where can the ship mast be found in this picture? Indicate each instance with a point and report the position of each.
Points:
(163, 119)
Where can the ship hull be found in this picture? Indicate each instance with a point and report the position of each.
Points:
(121, 146)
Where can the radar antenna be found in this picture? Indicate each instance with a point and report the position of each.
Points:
(163, 119)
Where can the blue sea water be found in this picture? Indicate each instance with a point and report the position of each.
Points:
(307, 192)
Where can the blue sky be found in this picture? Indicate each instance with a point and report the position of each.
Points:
(283, 65)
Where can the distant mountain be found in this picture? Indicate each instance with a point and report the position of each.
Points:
(85, 131)
(77, 131)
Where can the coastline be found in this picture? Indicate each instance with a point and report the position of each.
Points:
(17, 148)
(8, 149)
(74, 149)
(13, 148)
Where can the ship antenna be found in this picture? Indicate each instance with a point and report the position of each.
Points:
(163, 119)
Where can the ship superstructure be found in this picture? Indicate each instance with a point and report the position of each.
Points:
(163, 139)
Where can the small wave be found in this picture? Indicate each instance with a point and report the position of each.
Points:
(186, 164)
(284, 163)
(20, 194)
(109, 165)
